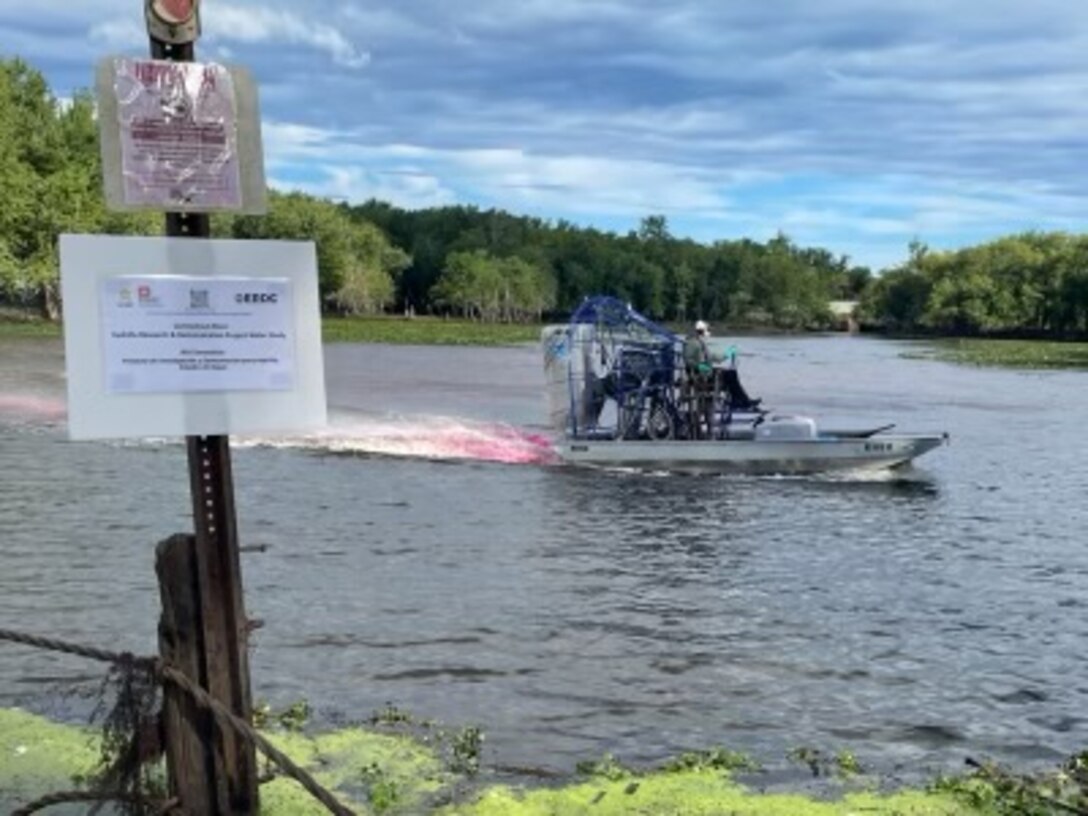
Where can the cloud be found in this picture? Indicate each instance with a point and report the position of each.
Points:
(125, 33)
(226, 22)
(582, 185)
(847, 124)
(265, 24)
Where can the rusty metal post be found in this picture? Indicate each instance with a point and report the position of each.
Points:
(173, 26)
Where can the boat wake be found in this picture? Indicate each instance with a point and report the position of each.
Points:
(32, 408)
(426, 437)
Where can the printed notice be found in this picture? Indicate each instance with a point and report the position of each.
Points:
(178, 134)
(172, 334)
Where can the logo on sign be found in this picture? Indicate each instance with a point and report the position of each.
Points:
(256, 297)
(145, 297)
(124, 297)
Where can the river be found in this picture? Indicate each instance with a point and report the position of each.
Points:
(424, 552)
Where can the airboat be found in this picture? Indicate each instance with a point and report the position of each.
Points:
(624, 392)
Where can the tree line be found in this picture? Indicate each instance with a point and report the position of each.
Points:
(494, 265)
(1031, 284)
(491, 265)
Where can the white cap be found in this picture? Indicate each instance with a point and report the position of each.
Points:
(701, 326)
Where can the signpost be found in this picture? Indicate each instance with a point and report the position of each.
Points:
(194, 338)
(173, 26)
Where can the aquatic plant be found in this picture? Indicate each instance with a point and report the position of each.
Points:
(466, 746)
(717, 759)
(607, 767)
(1008, 353)
(382, 792)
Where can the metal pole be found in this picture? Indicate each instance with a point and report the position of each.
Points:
(225, 673)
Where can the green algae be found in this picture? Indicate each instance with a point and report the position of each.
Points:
(379, 773)
(698, 793)
(356, 764)
(38, 756)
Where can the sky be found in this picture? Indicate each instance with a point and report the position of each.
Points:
(852, 125)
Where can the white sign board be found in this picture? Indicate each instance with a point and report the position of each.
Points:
(179, 136)
(183, 336)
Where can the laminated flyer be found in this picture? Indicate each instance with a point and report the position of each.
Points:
(178, 132)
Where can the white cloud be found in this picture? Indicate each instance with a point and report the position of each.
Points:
(225, 22)
(408, 189)
(264, 24)
(121, 34)
(848, 124)
(289, 139)
(512, 177)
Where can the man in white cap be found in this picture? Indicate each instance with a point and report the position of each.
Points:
(700, 371)
(696, 351)
(711, 378)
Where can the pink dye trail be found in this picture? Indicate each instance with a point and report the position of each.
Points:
(425, 438)
(430, 438)
(33, 408)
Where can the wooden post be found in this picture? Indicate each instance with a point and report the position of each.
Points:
(187, 728)
(210, 769)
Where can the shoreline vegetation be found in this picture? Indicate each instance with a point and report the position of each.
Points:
(425, 330)
(395, 764)
(375, 258)
(1036, 354)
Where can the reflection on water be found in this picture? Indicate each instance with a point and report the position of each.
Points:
(913, 617)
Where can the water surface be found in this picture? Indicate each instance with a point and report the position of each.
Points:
(423, 553)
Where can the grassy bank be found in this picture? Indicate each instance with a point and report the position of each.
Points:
(28, 328)
(428, 331)
(376, 771)
(425, 331)
(1010, 353)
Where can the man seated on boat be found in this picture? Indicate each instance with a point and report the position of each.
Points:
(712, 372)
(696, 350)
(700, 378)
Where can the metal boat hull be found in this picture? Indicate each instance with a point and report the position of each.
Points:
(795, 456)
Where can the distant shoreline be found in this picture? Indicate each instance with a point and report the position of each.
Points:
(438, 331)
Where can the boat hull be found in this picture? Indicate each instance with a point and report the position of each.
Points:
(819, 455)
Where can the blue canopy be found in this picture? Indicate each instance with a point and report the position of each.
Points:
(605, 311)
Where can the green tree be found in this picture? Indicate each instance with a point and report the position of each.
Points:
(356, 264)
(369, 282)
(299, 217)
(49, 172)
(464, 284)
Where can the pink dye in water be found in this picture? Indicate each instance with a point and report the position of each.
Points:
(429, 438)
(426, 438)
(31, 407)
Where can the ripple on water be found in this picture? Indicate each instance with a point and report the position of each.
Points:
(923, 615)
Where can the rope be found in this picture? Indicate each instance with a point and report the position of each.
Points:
(53, 645)
(227, 718)
(67, 797)
(222, 714)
